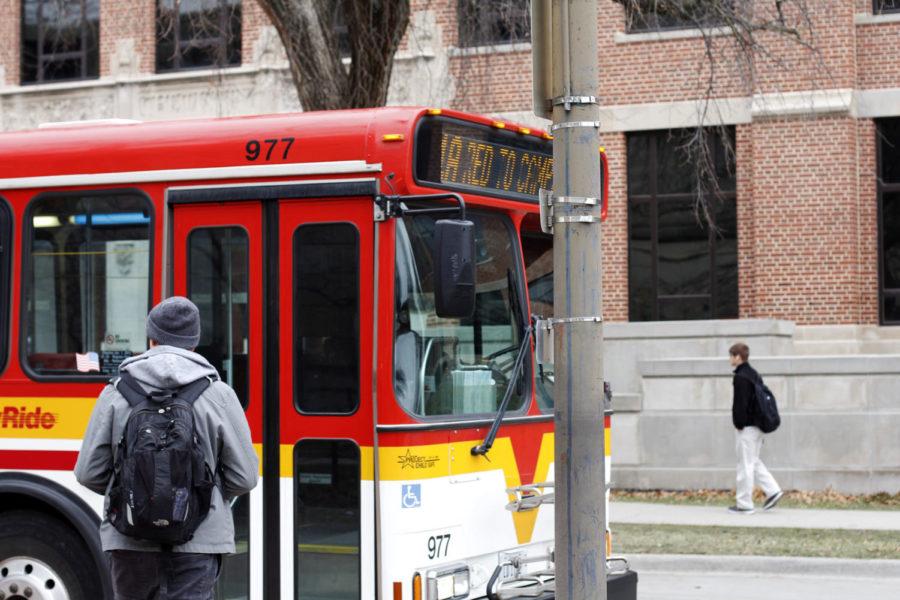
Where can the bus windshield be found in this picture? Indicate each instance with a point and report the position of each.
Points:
(454, 367)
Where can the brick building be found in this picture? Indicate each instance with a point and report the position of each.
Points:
(805, 264)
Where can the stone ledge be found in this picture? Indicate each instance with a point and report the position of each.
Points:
(623, 403)
(860, 364)
(737, 328)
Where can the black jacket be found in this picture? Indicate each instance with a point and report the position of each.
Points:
(743, 406)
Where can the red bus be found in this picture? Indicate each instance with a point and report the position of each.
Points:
(307, 241)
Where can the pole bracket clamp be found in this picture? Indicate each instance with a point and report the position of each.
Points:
(568, 320)
(575, 124)
(567, 101)
(547, 201)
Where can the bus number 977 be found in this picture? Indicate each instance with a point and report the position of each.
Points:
(438, 545)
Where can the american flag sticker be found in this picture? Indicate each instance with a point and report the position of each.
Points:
(87, 362)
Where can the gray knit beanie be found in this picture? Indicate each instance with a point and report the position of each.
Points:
(175, 322)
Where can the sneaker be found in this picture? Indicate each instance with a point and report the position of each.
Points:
(772, 500)
(740, 511)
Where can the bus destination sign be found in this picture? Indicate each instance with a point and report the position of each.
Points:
(461, 155)
(485, 165)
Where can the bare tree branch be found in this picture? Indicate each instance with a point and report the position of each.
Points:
(741, 31)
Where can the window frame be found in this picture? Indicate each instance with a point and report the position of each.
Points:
(27, 265)
(6, 250)
(221, 42)
(652, 197)
(631, 18)
(295, 359)
(83, 54)
(881, 188)
(878, 8)
(466, 38)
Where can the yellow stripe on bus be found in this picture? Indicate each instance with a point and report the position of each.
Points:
(327, 549)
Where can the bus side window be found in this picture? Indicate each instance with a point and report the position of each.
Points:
(87, 282)
(5, 257)
(218, 264)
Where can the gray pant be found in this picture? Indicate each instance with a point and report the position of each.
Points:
(163, 575)
(748, 443)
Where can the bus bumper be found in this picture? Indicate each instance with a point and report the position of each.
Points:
(621, 585)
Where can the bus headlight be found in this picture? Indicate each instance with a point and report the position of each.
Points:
(447, 583)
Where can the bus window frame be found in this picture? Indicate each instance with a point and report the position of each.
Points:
(473, 419)
(26, 265)
(295, 392)
(6, 241)
(465, 189)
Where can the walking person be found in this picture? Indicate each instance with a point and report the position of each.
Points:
(749, 437)
(165, 540)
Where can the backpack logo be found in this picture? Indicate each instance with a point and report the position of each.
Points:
(162, 487)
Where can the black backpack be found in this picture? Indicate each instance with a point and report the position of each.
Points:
(765, 411)
(161, 486)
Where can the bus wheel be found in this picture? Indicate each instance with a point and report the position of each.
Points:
(41, 558)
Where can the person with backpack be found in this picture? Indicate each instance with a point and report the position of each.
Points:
(751, 416)
(169, 447)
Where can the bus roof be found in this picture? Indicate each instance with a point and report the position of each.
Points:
(105, 147)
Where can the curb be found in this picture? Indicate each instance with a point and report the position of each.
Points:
(831, 567)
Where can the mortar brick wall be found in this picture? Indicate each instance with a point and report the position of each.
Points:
(806, 240)
(130, 20)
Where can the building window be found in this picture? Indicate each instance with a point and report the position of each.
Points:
(889, 218)
(59, 40)
(885, 6)
(87, 282)
(196, 34)
(678, 266)
(5, 253)
(489, 23)
(652, 15)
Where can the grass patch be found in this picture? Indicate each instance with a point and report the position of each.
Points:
(792, 498)
(747, 541)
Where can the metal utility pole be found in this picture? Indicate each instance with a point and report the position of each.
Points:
(564, 42)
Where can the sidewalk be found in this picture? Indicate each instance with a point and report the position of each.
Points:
(654, 513)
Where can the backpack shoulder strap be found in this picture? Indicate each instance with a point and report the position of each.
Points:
(130, 389)
(190, 392)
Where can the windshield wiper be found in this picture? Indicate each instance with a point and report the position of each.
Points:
(483, 447)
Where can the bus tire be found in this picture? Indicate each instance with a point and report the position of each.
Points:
(41, 552)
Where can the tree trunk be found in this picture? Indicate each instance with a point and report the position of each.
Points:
(323, 82)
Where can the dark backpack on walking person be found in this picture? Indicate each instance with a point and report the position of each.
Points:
(765, 410)
(161, 486)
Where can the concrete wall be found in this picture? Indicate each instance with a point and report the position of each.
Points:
(672, 395)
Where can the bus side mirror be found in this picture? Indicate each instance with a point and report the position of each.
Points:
(454, 268)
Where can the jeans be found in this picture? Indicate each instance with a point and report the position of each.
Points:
(163, 575)
(748, 443)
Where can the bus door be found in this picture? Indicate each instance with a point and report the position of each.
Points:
(326, 311)
(217, 262)
(285, 289)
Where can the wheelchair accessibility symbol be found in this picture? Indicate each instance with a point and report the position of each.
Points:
(412, 495)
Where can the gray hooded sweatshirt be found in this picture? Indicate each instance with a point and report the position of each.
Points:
(222, 431)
